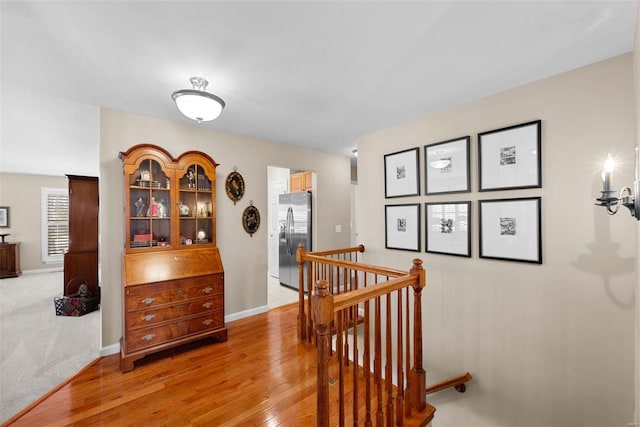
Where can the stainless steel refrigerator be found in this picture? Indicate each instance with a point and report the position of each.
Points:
(294, 219)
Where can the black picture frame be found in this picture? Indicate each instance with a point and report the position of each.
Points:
(511, 229)
(402, 227)
(448, 228)
(402, 173)
(510, 158)
(447, 166)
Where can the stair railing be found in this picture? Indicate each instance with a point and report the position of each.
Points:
(313, 266)
(378, 341)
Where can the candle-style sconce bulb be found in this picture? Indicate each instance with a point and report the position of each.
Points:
(627, 197)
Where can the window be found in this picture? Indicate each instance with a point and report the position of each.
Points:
(55, 224)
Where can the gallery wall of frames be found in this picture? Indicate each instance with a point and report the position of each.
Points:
(508, 158)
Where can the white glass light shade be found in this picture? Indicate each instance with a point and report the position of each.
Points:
(196, 103)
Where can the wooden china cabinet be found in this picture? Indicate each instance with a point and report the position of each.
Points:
(172, 274)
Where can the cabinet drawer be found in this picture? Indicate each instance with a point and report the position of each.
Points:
(143, 318)
(173, 292)
(147, 337)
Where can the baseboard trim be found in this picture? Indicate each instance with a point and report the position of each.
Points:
(247, 313)
(43, 270)
(110, 349)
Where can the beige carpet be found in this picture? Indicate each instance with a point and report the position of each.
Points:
(39, 350)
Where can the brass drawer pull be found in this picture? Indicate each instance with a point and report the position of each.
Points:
(148, 301)
(180, 292)
(207, 290)
(149, 317)
(207, 322)
(149, 337)
(207, 304)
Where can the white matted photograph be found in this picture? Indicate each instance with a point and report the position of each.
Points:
(402, 227)
(448, 228)
(446, 166)
(509, 158)
(510, 229)
(402, 173)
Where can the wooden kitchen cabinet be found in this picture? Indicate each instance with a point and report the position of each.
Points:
(173, 278)
(300, 181)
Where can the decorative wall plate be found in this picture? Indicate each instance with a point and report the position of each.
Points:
(251, 219)
(234, 186)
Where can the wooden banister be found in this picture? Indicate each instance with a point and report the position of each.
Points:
(458, 382)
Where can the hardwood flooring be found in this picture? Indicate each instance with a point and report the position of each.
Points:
(261, 376)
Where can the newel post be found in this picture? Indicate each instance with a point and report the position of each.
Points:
(419, 376)
(302, 317)
(322, 315)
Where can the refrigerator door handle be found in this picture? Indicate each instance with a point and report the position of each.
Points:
(289, 230)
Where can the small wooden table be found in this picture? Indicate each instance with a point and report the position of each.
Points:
(9, 260)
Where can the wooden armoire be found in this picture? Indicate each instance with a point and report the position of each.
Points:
(81, 259)
(173, 279)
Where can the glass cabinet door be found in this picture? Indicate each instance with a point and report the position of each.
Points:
(149, 206)
(195, 207)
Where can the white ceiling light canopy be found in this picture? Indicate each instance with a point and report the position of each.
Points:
(198, 104)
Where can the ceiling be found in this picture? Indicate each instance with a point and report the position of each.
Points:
(317, 74)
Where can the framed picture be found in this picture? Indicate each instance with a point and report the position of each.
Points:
(402, 173)
(510, 229)
(448, 228)
(446, 166)
(4, 217)
(509, 158)
(402, 227)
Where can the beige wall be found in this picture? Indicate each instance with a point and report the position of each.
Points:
(636, 86)
(244, 257)
(551, 344)
(23, 194)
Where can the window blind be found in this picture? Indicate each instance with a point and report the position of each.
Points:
(55, 224)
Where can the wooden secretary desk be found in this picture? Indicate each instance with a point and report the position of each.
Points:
(172, 274)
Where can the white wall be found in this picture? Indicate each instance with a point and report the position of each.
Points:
(551, 344)
(41, 135)
(244, 257)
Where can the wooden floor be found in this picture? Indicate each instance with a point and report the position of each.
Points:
(261, 376)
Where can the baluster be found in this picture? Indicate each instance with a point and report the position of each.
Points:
(341, 363)
(367, 363)
(354, 317)
(408, 394)
(389, 361)
(378, 362)
(399, 370)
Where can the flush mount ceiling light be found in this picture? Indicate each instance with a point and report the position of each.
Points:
(440, 164)
(198, 104)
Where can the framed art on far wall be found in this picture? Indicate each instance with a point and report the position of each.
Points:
(402, 227)
(402, 174)
(509, 158)
(448, 228)
(4, 217)
(510, 229)
(446, 166)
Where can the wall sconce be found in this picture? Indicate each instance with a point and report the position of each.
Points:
(627, 197)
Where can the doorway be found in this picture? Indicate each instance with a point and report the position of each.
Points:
(278, 183)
